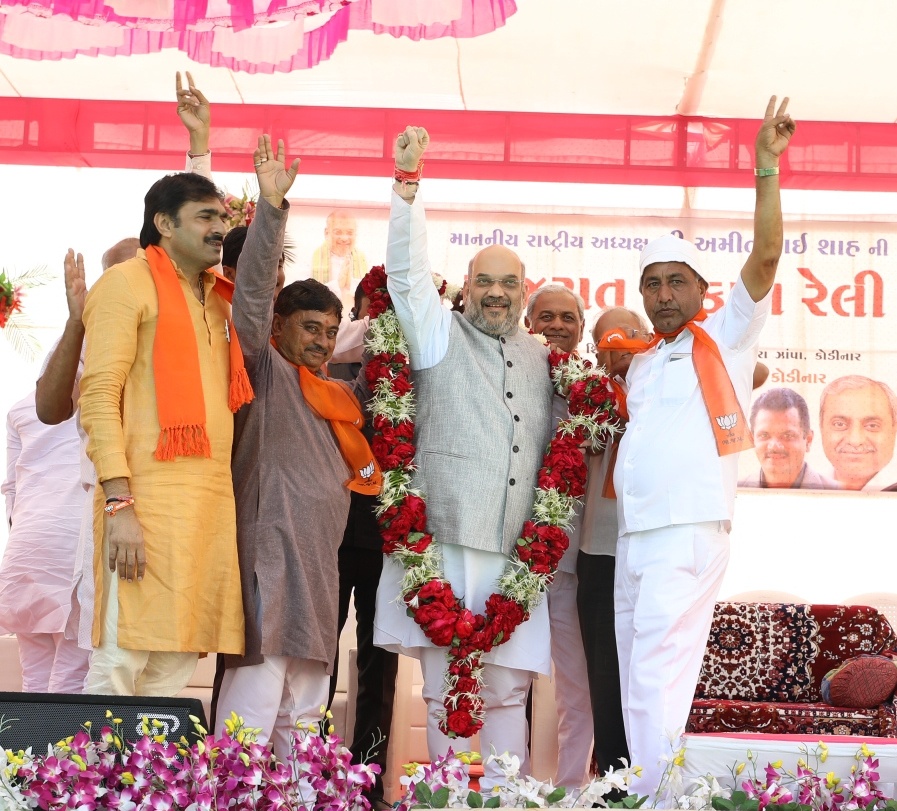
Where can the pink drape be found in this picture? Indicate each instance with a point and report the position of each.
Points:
(254, 36)
(477, 145)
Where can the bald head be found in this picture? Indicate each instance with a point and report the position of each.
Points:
(121, 252)
(494, 259)
(632, 324)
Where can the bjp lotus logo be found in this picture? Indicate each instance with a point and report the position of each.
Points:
(727, 422)
(367, 471)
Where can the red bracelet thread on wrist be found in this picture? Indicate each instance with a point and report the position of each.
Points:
(405, 178)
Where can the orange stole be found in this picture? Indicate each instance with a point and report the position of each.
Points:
(333, 401)
(179, 396)
(730, 428)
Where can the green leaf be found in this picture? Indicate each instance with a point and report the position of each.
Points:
(440, 798)
(722, 804)
(492, 802)
(558, 794)
(423, 792)
(474, 799)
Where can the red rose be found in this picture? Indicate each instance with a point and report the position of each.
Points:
(420, 544)
(374, 280)
(554, 537)
(466, 685)
(576, 397)
(417, 507)
(564, 467)
(464, 625)
(401, 385)
(459, 669)
(460, 724)
(556, 359)
(437, 622)
(379, 365)
(403, 451)
(433, 589)
(381, 449)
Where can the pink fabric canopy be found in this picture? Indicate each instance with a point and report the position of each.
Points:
(255, 36)
(543, 147)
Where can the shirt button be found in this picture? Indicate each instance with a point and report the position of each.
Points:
(515, 449)
(516, 418)
(509, 395)
(510, 364)
(502, 340)
(512, 482)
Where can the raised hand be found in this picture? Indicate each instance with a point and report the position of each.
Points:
(775, 133)
(75, 285)
(275, 179)
(195, 113)
(410, 146)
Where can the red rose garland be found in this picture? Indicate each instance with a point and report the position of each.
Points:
(402, 514)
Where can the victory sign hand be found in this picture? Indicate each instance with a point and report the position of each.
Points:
(775, 133)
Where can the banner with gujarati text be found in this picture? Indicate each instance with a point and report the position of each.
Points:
(826, 417)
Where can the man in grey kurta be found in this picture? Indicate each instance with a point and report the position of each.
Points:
(290, 482)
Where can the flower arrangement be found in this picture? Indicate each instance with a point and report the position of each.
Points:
(443, 784)
(402, 511)
(807, 787)
(231, 771)
(10, 298)
(12, 291)
(241, 210)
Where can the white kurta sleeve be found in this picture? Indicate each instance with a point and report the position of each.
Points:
(200, 165)
(425, 322)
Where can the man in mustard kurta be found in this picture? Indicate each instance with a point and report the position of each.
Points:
(163, 374)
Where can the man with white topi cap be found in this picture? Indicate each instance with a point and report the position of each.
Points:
(677, 467)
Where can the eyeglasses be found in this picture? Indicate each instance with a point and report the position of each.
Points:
(508, 283)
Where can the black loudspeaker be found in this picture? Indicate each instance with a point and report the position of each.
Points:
(39, 719)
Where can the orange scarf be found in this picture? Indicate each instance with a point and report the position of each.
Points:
(614, 340)
(333, 401)
(179, 395)
(730, 428)
(727, 420)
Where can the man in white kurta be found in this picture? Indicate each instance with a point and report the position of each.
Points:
(503, 407)
(44, 500)
(675, 480)
(558, 314)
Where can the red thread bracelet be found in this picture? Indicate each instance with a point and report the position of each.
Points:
(409, 177)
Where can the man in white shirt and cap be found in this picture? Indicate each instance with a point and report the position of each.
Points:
(677, 466)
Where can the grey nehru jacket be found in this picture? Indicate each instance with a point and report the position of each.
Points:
(482, 426)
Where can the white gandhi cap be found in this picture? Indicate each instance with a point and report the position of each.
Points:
(670, 248)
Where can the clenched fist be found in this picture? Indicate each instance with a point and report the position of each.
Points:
(410, 146)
